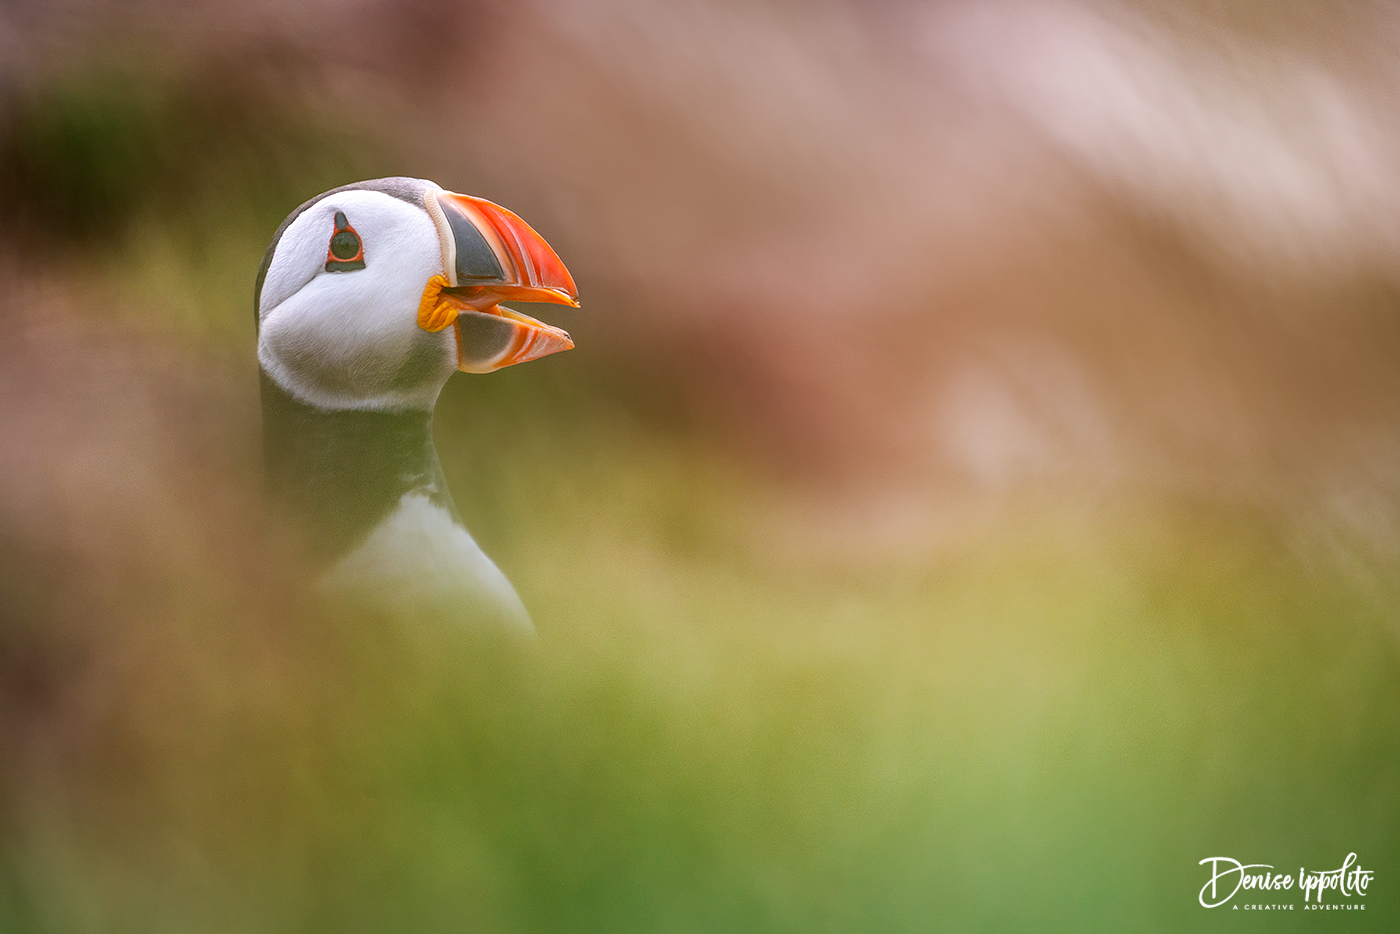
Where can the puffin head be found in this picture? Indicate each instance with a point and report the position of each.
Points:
(371, 295)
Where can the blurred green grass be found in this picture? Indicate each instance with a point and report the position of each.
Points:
(1029, 736)
(1042, 725)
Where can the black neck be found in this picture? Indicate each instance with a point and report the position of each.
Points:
(339, 473)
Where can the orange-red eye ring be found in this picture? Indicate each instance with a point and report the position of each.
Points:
(346, 251)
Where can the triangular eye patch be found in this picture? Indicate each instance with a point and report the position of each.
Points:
(345, 252)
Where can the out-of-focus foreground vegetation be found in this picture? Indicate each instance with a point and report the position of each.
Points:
(945, 522)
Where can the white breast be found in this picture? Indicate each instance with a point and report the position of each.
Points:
(419, 561)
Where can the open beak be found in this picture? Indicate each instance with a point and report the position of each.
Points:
(490, 255)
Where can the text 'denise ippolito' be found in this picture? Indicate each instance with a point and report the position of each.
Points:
(1228, 876)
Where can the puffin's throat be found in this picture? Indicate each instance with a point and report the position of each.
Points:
(338, 474)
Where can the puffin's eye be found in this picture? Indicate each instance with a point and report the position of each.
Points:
(345, 252)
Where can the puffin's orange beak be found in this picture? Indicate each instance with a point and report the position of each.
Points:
(493, 256)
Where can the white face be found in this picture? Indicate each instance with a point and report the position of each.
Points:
(351, 340)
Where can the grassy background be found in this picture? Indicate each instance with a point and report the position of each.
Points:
(1040, 721)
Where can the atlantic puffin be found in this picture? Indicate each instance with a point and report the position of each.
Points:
(369, 297)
